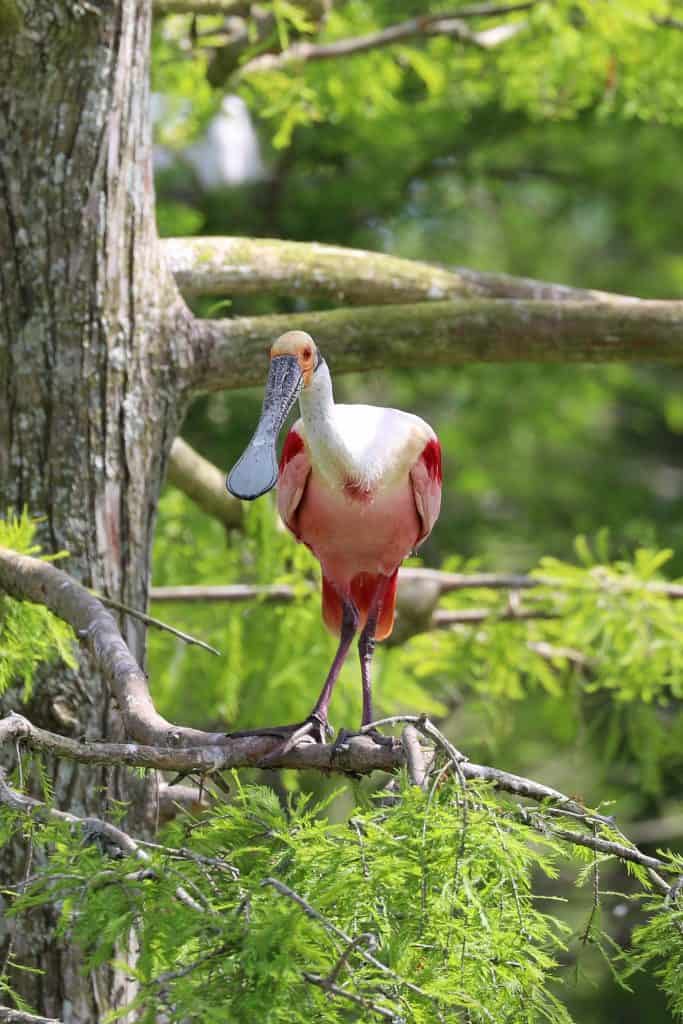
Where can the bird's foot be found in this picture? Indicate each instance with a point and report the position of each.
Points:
(341, 742)
(315, 727)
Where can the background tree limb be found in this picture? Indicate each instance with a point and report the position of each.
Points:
(244, 266)
(234, 353)
(204, 483)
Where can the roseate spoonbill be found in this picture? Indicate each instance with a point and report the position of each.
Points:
(359, 485)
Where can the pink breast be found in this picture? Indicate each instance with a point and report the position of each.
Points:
(352, 532)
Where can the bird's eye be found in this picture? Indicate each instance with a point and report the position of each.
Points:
(307, 353)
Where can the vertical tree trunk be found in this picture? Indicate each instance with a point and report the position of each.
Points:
(89, 395)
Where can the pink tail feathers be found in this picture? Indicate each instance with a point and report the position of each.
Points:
(363, 589)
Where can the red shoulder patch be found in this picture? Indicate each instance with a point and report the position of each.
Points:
(294, 443)
(431, 456)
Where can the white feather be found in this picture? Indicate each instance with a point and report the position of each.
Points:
(366, 444)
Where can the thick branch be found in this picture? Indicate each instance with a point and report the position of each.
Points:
(233, 353)
(360, 754)
(244, 266)
(201, 481)
(29, 579)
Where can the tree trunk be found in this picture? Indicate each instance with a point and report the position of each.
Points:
(89, 392)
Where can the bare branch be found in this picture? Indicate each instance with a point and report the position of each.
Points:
(149, 620)
(11, 1016)
(433, 580)
(244, 266)
(669, 22)
(420, 27)
(359, 755)
(40, 811)
(30, 579)
(201, 481)
(199, 7)
(270, 593)
(445, 618)
(233, 353)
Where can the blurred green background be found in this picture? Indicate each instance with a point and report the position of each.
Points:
(558, 157)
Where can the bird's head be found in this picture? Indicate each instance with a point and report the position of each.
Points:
(298, 346)
(294, 358)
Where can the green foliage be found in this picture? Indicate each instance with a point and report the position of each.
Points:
(611, 57)
(29, 634)
(440, 899)
(658, 946)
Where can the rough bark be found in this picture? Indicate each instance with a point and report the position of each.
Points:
(89, 401)
(245, 266)
(234, 353)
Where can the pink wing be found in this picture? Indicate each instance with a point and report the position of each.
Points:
(425, 476)
(295, 466)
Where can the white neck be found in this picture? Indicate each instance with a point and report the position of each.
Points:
(329, 453)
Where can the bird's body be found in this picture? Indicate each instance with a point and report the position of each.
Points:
(358, 484)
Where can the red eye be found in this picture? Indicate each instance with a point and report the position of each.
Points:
(307, 353)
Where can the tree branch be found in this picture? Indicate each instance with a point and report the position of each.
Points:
(410, 580)
(11, 1016)
(244, 266)
(270, 593)
(422, 27)
(116, 837)
(203, 483)
(359, 755)
(199, 7)
(29, 579)
(234, 353)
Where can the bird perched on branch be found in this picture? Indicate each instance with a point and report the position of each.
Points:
(359, 485)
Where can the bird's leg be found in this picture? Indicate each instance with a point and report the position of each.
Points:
(316, 724)
(349, 626)
(366, 650)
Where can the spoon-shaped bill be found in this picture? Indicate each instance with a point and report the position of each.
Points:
(255, 472)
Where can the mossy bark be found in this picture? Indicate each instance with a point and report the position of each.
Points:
(89, 383)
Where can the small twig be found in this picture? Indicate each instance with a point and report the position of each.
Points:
(355, 825)
(370, 942)
(39, 811)
(267, 592)
(586, 935)
(445, 618)
(11, 1016)
(332, 928)
(109, 602)
(364, 1001)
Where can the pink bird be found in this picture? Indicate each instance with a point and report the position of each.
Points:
(359, 485)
